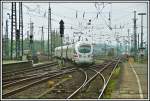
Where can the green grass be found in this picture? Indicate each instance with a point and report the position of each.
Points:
(112, 84)
(109, 89)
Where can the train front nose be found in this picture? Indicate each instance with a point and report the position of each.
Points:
(84, 52)
(84, 59)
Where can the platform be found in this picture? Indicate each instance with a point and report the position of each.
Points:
(133, 83)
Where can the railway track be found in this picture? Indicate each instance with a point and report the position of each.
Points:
(26, 73)
(67, 92)
(11, 81)
(16, 87)
(24, 70)
(101, 78)
(62, 89)
(80, 85)
(30, 78)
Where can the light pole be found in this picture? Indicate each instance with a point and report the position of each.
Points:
(141, 28)
(141, 45)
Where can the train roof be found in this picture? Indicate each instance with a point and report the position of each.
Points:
(70, 45)
(58, 48)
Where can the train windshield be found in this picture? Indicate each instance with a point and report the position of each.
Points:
(84, 48)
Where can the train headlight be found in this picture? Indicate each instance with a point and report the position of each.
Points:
(75, 55)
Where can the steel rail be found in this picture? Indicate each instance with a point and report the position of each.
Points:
(104, 80)
(6, 81)
(88, 81)
(34, 77)
(86, 78)
(27, 70)
(36, 82)
(80, 69)
(101, 93)
(28, 75)
(31, 78)
(98, 73)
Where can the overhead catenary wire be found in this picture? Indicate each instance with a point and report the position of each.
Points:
(69, 25)
(100, 12)
(32, 10)
(69, 17)
(31, 14)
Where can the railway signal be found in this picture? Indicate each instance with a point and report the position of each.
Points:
(89, 23)
(61, 35)
(61, 28)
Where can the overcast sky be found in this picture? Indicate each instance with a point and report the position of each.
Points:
(121, 15)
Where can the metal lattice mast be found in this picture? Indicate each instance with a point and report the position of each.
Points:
(21, 27)
(6, 41)
(54, 40)
(17, 35)
(48, 30)
(28, 39)
(135, 34)
(42, 41)
(141, 45)
(17, 44)
(128, 41)
(31, 38)
(51, 32)
(13, 25)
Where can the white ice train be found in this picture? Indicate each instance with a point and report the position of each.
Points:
(80, 53)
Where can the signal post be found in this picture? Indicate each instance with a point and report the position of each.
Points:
(61, 35)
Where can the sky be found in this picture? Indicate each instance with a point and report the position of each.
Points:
(121, 14)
